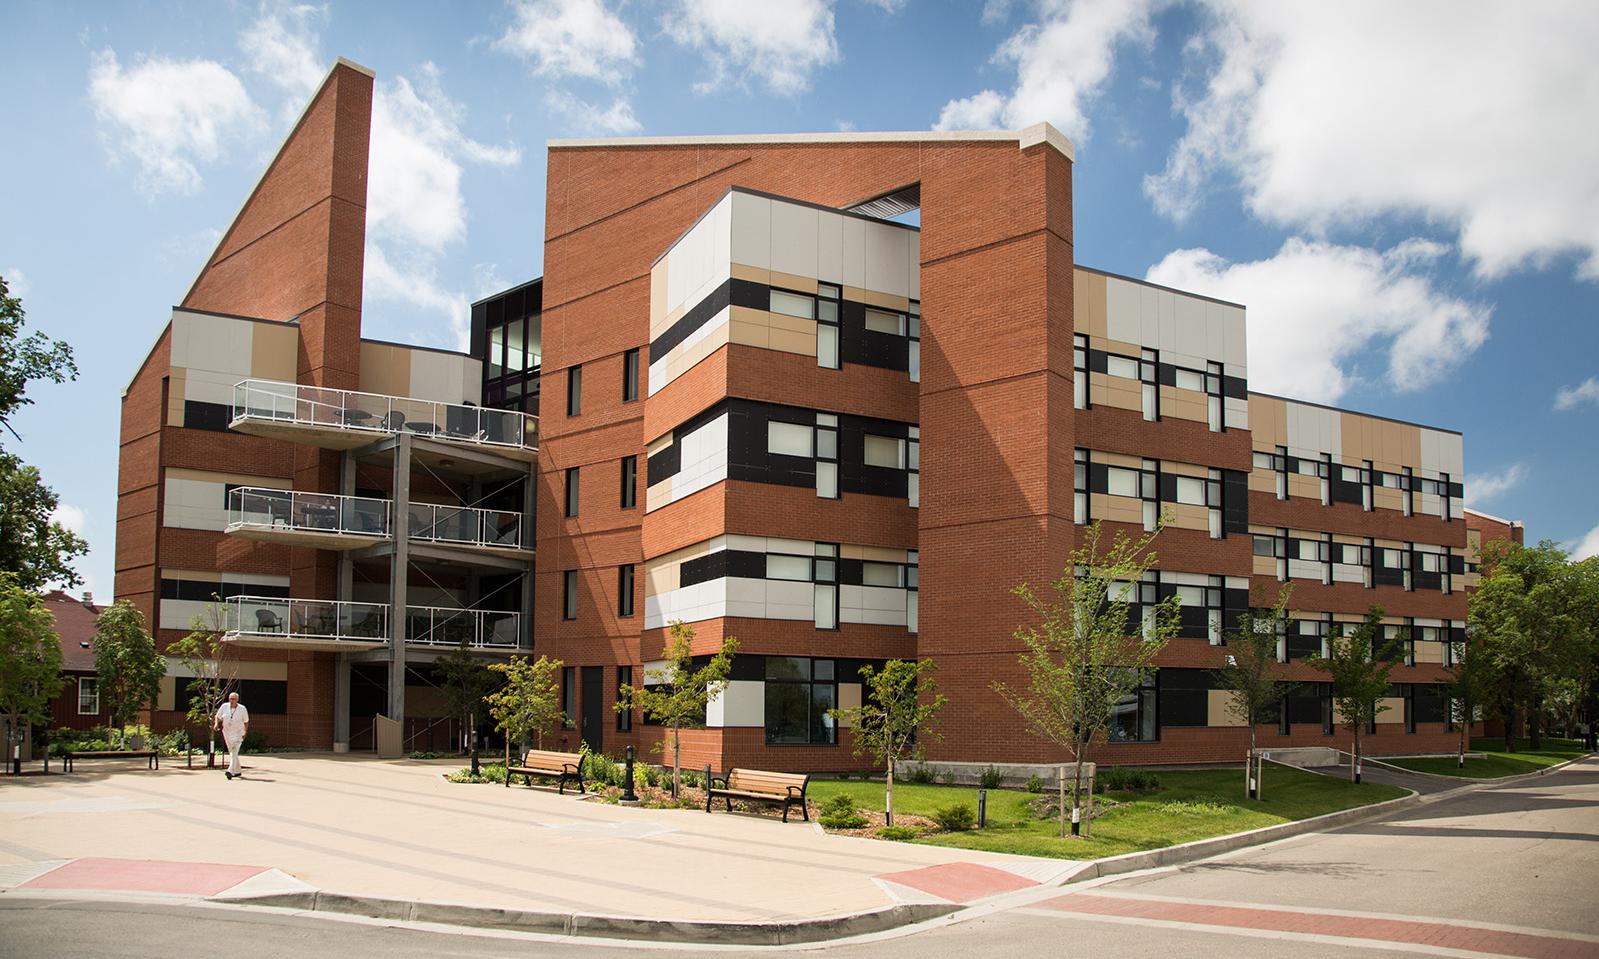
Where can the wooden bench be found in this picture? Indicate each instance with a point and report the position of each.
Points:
(69, 756)
(544, 762)
(758, 785)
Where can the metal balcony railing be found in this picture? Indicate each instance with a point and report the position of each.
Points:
(267, 617)
(466, 525)
(479, 628)
(273, 402)
(251, 507)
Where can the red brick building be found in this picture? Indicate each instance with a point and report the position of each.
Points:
(779, 412)
(77, 705)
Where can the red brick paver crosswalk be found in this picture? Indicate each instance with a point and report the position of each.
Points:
(1410, 931)
(144, 875)
(960, 881)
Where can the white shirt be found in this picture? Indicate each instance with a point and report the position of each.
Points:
(232, 719)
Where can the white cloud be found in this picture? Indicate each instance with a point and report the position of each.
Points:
(1314, 306)
(16, 281)
(281, 46)
(887, 6)
(1570, 397)
(1482, 487)
(69, 516)
(1062, 61)
(585, 117)
(779, 42)
(1587, 546)
(1478, 116)
(169, 116)
(413, 281)
(572, 38)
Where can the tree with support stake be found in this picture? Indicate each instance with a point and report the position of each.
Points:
(1251, 672)
(900, 702)
(466, 682)
(1359, 669)
(676, 695)
(529, 704)
(1080, 657)
(213, 669)
(126, 662)
(30, 663)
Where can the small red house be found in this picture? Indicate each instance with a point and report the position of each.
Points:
(77, 705)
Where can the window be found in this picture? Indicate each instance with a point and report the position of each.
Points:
(913, 596)
(789, 439)
(885, 451)
(571, 492)
(1133, 718)
(1191, 490)
(568, 695)
(780, 566)
(574, 391)
(629, 482)
(824, 573)
(624, 717)
(827, 455)
(1080, 487)
(1215, 415)
(1121, 366)
(793, 304)
(882, 321)
(88, 696)
(881, 574)
(913, 329)
(827, 303)
(799, 693)
(1080, 371)
(1265, 545)
(913, 463)
(1121, 482)
(1190, 380)
(569, 594)
(1149, 391)
(630, 376)
(624, 590)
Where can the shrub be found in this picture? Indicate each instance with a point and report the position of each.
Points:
(866, 776)
(840, 813)
(956, 817)
(898, 833)
(254, 743)
(1197, 806)
(1117, 779)
(692, 779)
(603, 769)
(990, 778)
(1034, 784)
(486, 774)
(422, 754)
(919, 774)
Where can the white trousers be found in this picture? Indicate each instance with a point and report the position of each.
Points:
(233, 742)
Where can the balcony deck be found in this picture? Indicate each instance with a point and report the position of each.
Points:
(272, 623)
(318, 520)
(346, 419)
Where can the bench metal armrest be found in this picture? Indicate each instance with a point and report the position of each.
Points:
(711, 784)
(570, 769)
(796, 792)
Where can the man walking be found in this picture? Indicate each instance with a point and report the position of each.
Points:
(234, 721)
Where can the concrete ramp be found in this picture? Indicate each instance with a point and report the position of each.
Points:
(1305, 757)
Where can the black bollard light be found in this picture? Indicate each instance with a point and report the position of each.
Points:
(474, 761)
(627, 787)
(982, 808)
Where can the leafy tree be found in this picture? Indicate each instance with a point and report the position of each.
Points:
(900, 702)
(126, 661)
(1532, 612)
(24, 359)
(529, 704)
(213, 668)
(466, 680)
(30, 659)
(1466, 683)
(1359, 669)
(36, 549)
(1251, 671)
(677, 694)
(1080, 660)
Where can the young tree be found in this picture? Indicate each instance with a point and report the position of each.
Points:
(1358, 664)
(213, 668)
(1251, 670)
(1080, 660)
(900, 702)
(126, 661)
(529, 704)
(30, 660)
(34, 547)
(1466, 683)
(466, 681)
(677, 694)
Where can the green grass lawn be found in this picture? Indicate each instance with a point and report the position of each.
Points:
(1495, 761)
(1190, 805)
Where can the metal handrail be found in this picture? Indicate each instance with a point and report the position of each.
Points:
(277, 401)
(252, 507)
(465, 524)
(328, 619)
(446, 626)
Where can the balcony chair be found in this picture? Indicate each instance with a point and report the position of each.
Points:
(394, 421)
(266, 621)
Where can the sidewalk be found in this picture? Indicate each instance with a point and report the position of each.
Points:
(395, 830)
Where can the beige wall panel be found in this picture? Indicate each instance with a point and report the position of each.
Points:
(1265, 566)
(1384, 498)
(1268, 421)
(275, 351)
(1185, 469)
(1129, 350)
(1185, 516)
(237, 479)
(788, 341)
(883, 301)
(779, 321)
(1116, 509)
(1184, 404)
(176, 386)
(1089, 297)
(747, 333)
(790, 281)
(1395, 713)
(1114, 391)
(1218, 712)
(658, 495)
(1429, 652)
(1263, 481)
(385, 369)
(1352, 540)
(753, 274)
(1116, 459)
(1306, 486)
(658, 322)
(1356, 438)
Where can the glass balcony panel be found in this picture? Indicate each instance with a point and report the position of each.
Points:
(255, 401)
(466, 525)
(288, 510)
(259, 617)
(477, 628)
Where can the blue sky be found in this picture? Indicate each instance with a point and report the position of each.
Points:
(1403, 196)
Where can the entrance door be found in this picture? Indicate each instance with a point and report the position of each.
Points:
(594, 707)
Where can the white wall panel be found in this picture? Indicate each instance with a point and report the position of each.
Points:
(794, 237)
(751, 231)
(1123, 310)
(742, 703)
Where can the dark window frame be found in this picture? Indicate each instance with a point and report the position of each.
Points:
(629, 480)
(573, 493)
(626, 586)
(569, 595)
(630, 375)
(574, 390)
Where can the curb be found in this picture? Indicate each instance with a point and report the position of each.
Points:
(1492, 781)
(702, 932)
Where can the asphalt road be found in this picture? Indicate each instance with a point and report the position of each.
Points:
(1512, 870)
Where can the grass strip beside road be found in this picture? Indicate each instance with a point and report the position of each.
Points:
(1189, 805)
(1495, 761)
